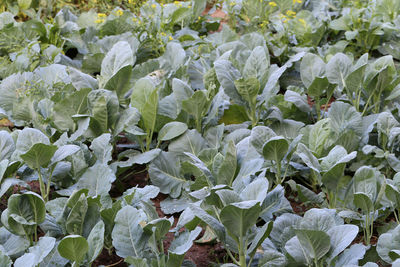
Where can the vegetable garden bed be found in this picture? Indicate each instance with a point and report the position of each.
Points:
(221, 133)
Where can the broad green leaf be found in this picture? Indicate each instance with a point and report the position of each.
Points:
(5, 261)
(95, 241)
(387, 242)
(248, 89)
(319, 140)
(227, 170)
(120, 83)
(308, 158)
(262, 234)
(128, 237)
(171, 130)
(191, 141)
(318, 86)
(145, 98)
(351, 255)
(26, 139)
(363, 202)
(39, 156)
(73, 248)
(227, 75)
(184, 242)
(239, 217)
(104, 107)
(341, 236)
(214, 224)
(7, 145)
(366, 181)
(102, 148)
(338, 68)
(76, 103)
(27, 209)
(97, 179)
(316, 244)
(260, 135)
(36, 253)
(275, 148)
(257, 65)
(119, 56)
(311, 67)
(174, 57)
(164, 172)
(76, 218)
(64, 152)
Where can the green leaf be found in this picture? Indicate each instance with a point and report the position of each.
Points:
(259, 135)
(7, 145)
(317, 87)
(180, 14)
(27, 209)
(97, 179)
(36, 253)
(171, 130)
(227, 75)
(316, 244)
(341, 237)
(63, 152)
(388, 242)
(39, 156)
(119, 56)
(120, 83)
(73, 248)
(311, 67)
(239, 217)
(248, 89)
(145, 98)
(128, 237)
(5, 261)
(75, 221)
(261, 235)
(235, 114)
(191, 141)
(95, 241)
(227, 170)
(275, 148)
(362, 201)
(180, 246)
(338, 68)
(24, 4)
(165, 173)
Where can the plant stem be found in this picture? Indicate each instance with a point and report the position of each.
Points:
(278, 172)
(42, 186)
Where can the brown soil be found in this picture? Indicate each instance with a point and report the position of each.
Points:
(109, 260)
(311, 102)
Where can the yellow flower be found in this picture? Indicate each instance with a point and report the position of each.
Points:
(163, 34)
(290, 13)
(176, 3)
(170, 38)
(101, 15)
(134, 19)
(297, 1)
(119, 12)
(98, 21)
(199, 18)
(153, 6)
(130, 1)
(302, 21)
(273, 4)
(189, 6)
(232, 3)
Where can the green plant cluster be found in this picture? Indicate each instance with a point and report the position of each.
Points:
(274, 131)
